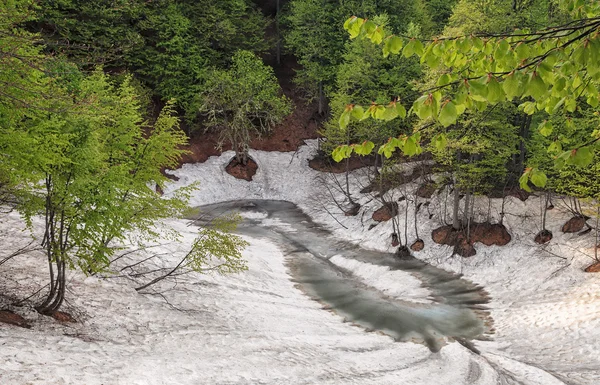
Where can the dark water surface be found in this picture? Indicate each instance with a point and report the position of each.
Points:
(455, 310)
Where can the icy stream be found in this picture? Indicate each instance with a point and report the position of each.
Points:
(438, 304)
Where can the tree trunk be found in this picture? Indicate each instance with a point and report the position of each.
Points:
(278, 49)
(455, 208)
(321, 99)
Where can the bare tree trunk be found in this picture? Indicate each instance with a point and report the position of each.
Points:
(455, 208)
(321, 99)
(544, 215)
(466, 210)
(596, 241)
(278, 34)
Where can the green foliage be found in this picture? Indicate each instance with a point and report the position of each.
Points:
(315, 36)
(545, 69)
(365, 76)
(170, 45)
(242, 100)
(216, 249)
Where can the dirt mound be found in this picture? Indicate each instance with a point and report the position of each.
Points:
(417, 245)
(241, 171)
(593, 268)
(61, 316)
(543, 236)
(8, 317)
(385, 213)
(574, 225)
(486, 233)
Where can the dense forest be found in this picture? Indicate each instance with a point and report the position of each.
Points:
(98, 98)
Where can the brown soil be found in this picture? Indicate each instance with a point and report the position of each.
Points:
(486, 233)
(593, 268)
(384, 213)
(62, 316)
(543, 236)
(574, 225)
(417, 245)
(8, 317)
(241, 171)
(426, 190)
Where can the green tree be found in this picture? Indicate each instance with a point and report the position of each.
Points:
(315, 36)
(170, 45)
(552, 69)
(76, 151)
(243, 100)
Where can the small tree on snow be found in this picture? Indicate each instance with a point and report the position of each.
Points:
(242, 100)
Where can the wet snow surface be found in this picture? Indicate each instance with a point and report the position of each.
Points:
(262, 326)
(322, 266)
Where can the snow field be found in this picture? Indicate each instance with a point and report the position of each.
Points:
(546, 310)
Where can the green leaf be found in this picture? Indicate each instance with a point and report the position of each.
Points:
(410, 146)
(545, 128)
(345, 119)
(536, 86)
(512, 86)
(389, 113)
(538, 178)
(409, 48)
(554, 147)
(524, 181)
(440, 142)
(448, 114)
(395, 44)
(495, 91)
(581, 157)
(357, 113)
(401, 110)
(443, 80)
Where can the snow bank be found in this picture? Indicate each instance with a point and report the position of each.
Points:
(546, 310)
(250, 328)
(257, 328)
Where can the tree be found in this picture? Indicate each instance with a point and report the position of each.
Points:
(170, 45)
(76, 151)
(315, 36)
(552, 69)
(243, 100)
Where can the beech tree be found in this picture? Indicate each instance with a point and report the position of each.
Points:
(76, 152)
(553, 69)
(245, 99)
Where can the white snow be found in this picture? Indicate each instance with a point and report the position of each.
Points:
(257, 328)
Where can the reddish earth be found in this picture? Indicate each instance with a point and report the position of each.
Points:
(593, 268)
(241, 171)
(543, 236)
(62, 316)
(11, 318)
(486, 233)
(385, 213)
(574, 225)
(417, 245)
